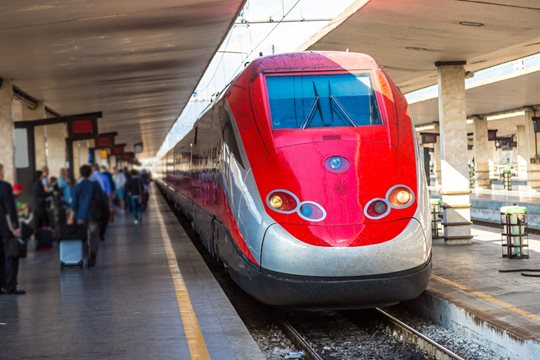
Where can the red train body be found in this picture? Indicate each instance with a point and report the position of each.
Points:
(305, 180)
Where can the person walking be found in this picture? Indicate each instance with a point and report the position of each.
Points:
(120, 183)
(135, 189)
(87, 209)
(107, 187)
(9, 228)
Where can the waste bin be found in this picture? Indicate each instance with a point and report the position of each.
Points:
(436, 218)
(514, 232)
(507, 179)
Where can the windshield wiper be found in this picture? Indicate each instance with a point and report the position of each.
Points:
(315, 105)
(334, 100)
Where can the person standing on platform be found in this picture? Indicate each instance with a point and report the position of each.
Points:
(9, 228)
(134, 190)
(45, 178)
(64, 185)
(87, 207)
(41, 216)
(120, 183)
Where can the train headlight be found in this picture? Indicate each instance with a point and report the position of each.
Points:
(282, 201)
(336, 164)
(376, 208)
(400, 196)
(276, 201)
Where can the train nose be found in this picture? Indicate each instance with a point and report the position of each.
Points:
(346, 250)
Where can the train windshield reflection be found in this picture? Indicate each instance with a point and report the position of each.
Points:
(330, 100)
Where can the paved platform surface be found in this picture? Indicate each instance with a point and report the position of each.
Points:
(467, 275)
(486, 204)
(132, 305)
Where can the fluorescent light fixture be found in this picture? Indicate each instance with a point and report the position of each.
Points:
(470, 121)
(505, 115)
(425, 127)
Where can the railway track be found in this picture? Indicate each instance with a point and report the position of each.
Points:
(406, 333)
(259, 317)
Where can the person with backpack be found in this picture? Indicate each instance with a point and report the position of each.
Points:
(87, 208)
(135, 191)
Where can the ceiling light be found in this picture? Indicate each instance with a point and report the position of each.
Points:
(425, 127)
(471, 23)
(505, 115)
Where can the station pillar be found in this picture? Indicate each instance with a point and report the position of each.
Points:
(7, 155)
(522, 152)
(533, 160)
(455, 188)
(481, 153)
(56, 148)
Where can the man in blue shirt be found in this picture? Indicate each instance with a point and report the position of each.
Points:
(64, 184)
(86, 208)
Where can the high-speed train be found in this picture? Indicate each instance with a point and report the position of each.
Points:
(304, 179)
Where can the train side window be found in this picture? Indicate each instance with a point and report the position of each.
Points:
(230, 139)
(326, 100)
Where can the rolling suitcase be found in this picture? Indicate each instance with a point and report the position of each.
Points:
(44, 238)
(71, 246)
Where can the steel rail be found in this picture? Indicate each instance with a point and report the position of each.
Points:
(424, 342)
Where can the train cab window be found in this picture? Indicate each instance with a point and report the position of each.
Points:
(329, 100)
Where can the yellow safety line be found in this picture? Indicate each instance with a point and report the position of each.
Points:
(192, 330)
(509, 307)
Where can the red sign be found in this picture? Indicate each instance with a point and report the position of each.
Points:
(82, 129)
(104, 141)
(117, 149)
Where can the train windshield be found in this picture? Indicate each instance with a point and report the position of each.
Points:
(314, 101)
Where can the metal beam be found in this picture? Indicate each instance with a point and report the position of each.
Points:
(56, 120)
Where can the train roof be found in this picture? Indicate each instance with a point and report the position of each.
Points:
(312, 61)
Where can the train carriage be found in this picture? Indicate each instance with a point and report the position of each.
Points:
(304, 179)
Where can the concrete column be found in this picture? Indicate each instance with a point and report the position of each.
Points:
(7, 155)
(481, 153)
(533, 147)
(522, 152)
(40, 134)
(80, 156)
(56, 148)
(455, 189)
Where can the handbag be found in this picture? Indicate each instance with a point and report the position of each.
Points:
(16, 248)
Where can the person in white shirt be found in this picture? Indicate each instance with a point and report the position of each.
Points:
(120, 183)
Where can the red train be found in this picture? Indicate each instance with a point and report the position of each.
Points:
(304, 179)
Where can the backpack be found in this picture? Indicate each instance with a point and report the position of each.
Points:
(99, 209)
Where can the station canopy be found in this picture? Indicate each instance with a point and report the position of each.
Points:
(408, 36)
(137, 61)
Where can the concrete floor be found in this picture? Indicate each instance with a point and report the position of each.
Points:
(124, 308)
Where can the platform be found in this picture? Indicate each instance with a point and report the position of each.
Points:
(150, 296)
(468, 293)
(486, 204)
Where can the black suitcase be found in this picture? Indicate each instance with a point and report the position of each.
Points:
(44, 238)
